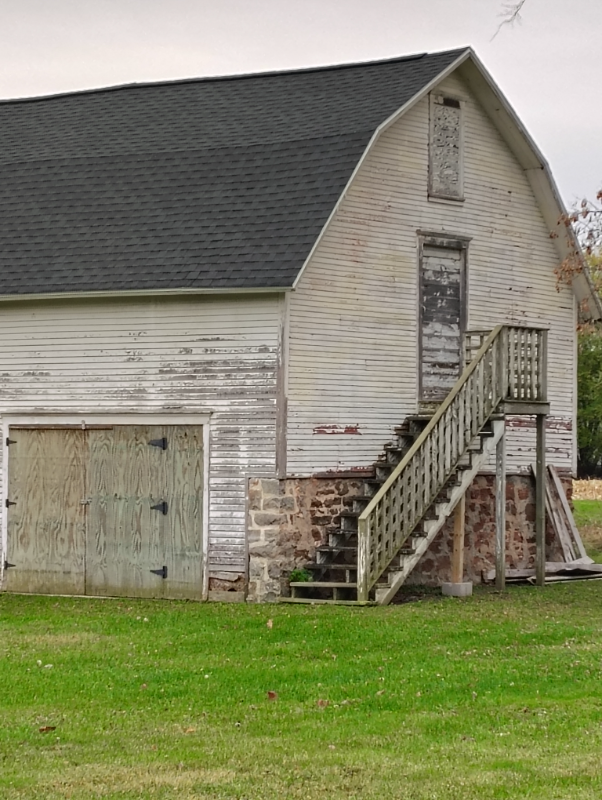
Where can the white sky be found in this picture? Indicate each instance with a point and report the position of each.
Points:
(550, 66)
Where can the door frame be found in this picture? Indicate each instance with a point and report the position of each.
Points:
(86, 419)
(449, 241)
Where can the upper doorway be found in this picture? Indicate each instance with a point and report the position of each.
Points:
(442, 317)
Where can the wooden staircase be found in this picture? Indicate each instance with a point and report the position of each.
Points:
(420, 477)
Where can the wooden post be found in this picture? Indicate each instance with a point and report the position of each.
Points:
(457, 565)
(500, 511)
(363, 559)
(540, 502)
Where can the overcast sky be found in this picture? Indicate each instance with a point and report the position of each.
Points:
(550, 66)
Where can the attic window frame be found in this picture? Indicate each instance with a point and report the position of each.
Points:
(436, 99)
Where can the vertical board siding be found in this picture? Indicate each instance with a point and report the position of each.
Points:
(200, 355)
(353, 362)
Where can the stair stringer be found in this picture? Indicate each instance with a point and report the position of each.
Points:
(398, 577)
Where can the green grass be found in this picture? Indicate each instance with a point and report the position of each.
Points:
(588, 516)
(494, 697)
(588, 512)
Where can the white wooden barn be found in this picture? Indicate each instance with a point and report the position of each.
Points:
(220, 298)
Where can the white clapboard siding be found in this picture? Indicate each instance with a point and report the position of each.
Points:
(206, 355)
(353, 318)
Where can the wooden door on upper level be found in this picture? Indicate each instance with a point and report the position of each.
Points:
(114, 510)
(442, 317)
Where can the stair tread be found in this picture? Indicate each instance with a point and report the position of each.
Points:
(324, 584)
(336, 549)
(329, 565)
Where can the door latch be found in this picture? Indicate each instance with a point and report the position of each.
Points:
(162, 507)
(162, 573)
(86, 501)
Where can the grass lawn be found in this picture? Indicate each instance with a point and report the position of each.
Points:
(498, 696)
(588, 516)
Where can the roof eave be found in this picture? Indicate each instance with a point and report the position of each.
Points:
(133, 293)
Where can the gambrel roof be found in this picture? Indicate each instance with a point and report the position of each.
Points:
(214, 184)
(219, 183)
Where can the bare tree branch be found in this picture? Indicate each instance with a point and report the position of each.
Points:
(510, 15)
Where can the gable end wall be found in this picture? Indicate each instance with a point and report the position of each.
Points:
(353, 318)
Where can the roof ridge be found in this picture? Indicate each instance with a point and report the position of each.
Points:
(129, 155)
(235, 76)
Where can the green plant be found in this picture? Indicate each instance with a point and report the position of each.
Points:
(300, 575)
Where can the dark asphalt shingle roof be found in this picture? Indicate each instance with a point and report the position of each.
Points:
(214, 183)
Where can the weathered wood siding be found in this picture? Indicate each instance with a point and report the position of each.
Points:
(353, 362)
(441, 298)
(205, 355)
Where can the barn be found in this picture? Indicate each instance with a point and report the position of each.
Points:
(289, 320)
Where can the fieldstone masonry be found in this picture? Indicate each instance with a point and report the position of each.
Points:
(479, 550)
(289, 518)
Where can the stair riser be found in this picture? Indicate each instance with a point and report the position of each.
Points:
(346, 539)
(318, 593)
(335, 575)
(383, 471)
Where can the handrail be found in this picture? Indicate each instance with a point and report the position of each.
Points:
(509, 365)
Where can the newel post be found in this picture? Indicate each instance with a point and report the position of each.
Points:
(363, 559)
(502, 367)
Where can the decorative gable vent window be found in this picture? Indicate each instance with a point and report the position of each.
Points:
(445, 150)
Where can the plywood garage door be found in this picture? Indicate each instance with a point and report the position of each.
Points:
(139, 511)
(46, 520)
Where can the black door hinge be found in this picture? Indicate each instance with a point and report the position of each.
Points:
(162, 443)
(10, 441)
(8, 503)
(8, 566)
(162, 573)
(162, 507)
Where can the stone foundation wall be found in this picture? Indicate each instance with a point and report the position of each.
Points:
(288, 519)
(479, 550)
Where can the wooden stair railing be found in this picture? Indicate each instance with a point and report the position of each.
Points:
(509, 366)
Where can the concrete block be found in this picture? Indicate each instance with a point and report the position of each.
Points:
(457, 589)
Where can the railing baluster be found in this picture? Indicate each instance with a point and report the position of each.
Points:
(533, 365)
(511, 364)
